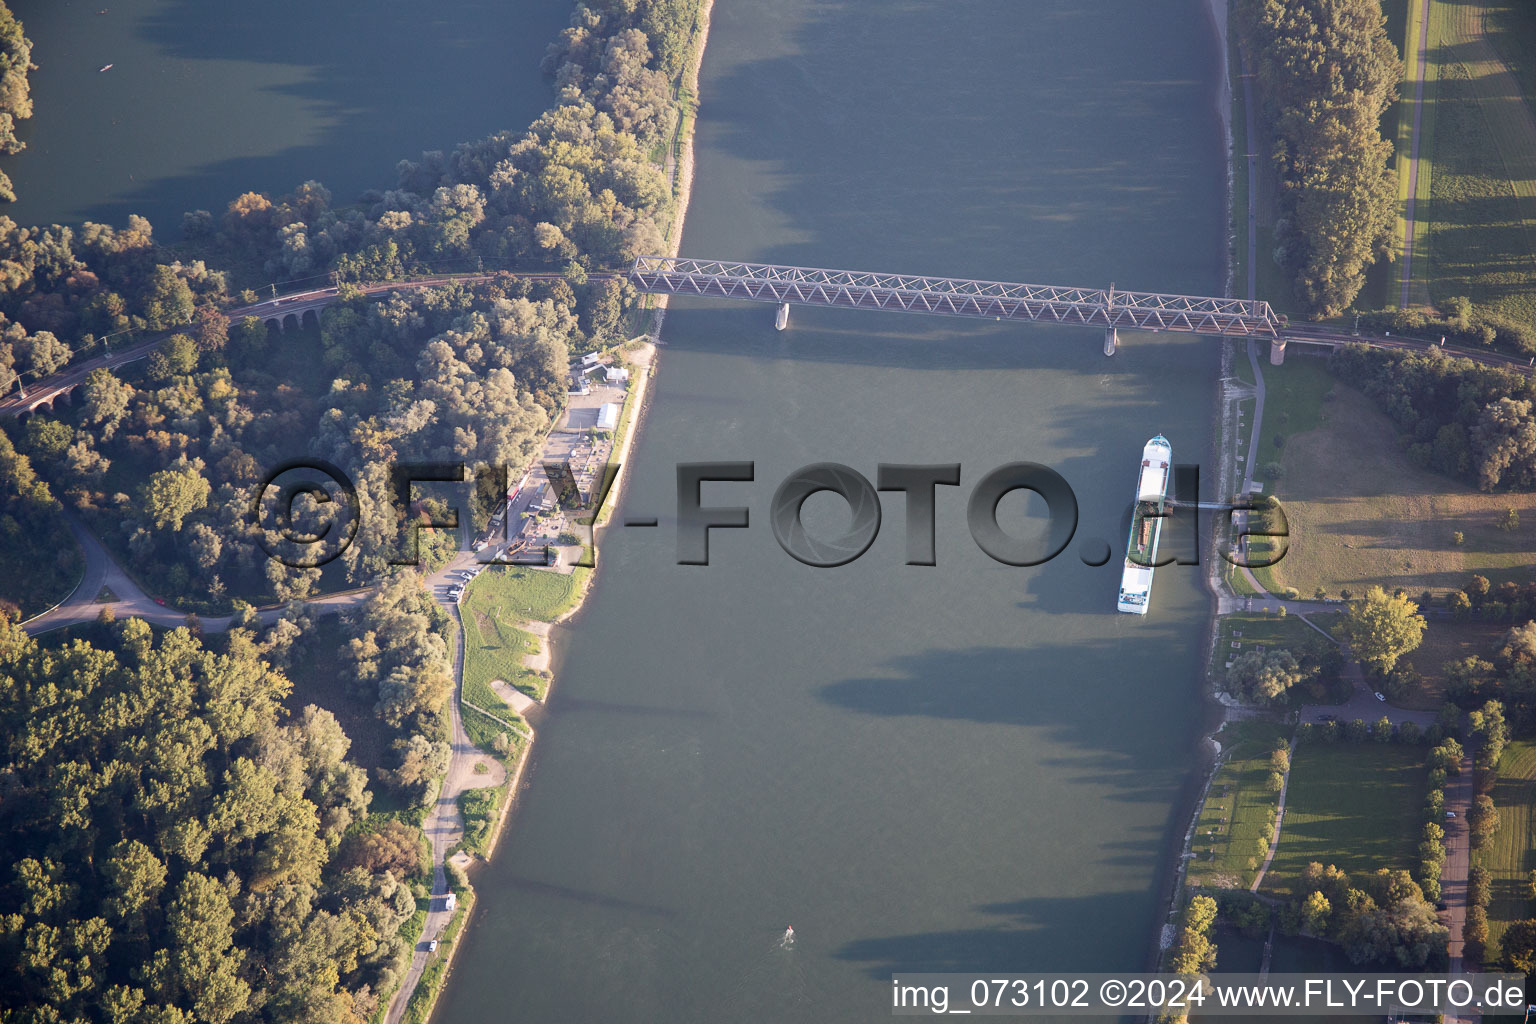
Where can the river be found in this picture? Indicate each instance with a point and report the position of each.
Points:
(205, 101)
(960, 767)
(966, 767)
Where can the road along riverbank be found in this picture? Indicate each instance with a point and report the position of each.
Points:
(422, 1004)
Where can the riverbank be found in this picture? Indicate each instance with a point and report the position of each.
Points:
(423, 1002)
(1224, 439)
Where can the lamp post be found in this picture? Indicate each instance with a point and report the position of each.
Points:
(21, 389)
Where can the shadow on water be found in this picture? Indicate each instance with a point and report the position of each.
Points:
(995, 685)
(828, 131)
(992, 948)
(586, 896)
(372, 85)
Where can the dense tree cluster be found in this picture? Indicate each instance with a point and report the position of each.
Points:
(1458, 417)
(1381, 919)
(582, 187)
(399, 659)
(62, 290)
(1507, 679)
(1327, 72)
(170, 849)
(1507, 602)
(15, 95)
(1460, 321)
(38, 557)
(1263, 676)
(166, 464)
(1193, 951)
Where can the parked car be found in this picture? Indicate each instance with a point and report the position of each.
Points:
(1450, 814)
(1381, 697)
(432, 946)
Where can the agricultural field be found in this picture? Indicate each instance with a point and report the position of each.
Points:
(1511, 854)
(1482, 196)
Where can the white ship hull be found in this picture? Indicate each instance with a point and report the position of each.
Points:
(1146, 529)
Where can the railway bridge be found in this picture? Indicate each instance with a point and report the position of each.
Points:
(1109, 309)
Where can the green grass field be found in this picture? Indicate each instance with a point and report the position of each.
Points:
(1511, 854)
(1481, 213)
(1360, 513)
(494, 649)
(1238, 810)
(1254, 630)
(1406, 29)
(515, 593)
(1358, 806)
(1295, 399)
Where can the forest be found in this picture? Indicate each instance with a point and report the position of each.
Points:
(1326, 73)
(163, 458)
(175, 850)
(1461, 418)
(186, 839)
(15, 94)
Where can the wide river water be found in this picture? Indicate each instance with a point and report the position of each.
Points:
(205, 101)
(961, 767)
(964, 767)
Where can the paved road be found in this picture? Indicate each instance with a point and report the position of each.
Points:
(1416, 73)
(101, 570)
(444, 827)
(1362, 704)
(1458, 859)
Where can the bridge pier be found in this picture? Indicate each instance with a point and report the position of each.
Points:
(781, 321)
(1277, 351)
(1111, 341)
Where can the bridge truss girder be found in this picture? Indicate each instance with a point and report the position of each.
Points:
(945, 296)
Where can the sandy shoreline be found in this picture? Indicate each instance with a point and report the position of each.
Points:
(543, 631)
(641, 397)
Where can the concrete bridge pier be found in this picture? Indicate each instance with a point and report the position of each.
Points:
(781, 321)
(1277, 351)
(1111, 341)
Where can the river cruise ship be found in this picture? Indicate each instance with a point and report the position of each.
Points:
(1146, 526)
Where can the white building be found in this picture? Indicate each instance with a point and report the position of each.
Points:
(608, 416)
(616, 374)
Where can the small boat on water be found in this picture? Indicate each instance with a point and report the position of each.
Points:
(104, 67)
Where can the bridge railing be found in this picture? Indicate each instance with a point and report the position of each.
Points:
(946, 296)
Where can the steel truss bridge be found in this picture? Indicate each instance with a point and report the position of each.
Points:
(1108, 309)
